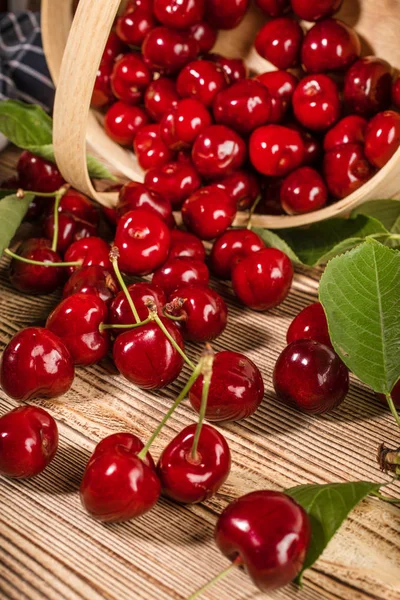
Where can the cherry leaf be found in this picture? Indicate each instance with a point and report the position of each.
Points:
(12, 211)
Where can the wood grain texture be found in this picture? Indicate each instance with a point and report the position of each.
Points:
(51, 550)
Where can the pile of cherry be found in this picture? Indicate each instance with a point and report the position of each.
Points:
(294, 139)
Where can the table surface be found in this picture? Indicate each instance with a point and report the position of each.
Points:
(50, 549)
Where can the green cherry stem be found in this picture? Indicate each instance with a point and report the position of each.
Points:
(386, 498)
(161, 325)
(252, 209)
(104, 326)
(236, 563)
(180, 398)
(393, 409)
(59, 195)
(40, 263)
(207, 360)
(114, 255)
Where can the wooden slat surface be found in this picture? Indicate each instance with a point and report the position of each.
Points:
(50, 549)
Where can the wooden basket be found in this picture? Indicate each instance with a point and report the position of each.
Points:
(74, 47)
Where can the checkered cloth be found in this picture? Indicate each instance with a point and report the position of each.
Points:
(23, 71)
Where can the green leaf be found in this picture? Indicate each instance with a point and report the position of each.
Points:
(328, 506)
(25, 125)
(388, 213)
(273, 240)
(96, 169)
(12, 211)
(360, 292)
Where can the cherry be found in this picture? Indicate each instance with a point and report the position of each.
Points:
(179, 14)
(350, 130)
(192, 480)
(92, 280)
(135, 195)
(218, 151)
(149, 148)
(346, 169)
(244, 106)
(122, 122)
(117, 485)
(129, 78)
(78, 206)
(236, 388)
(175, 181)
(178, 271)
(273, 8)
(313, 10)
(396, 92)
(368, 86)
(208, 212)
(142, 294)
(102, 92)
(36, 279)
(186, 245)
(243, 187)
(28, 441)
(310, 324)
(160, 98)
(311, 377)
(279, 41)
(281, 86)
(169, 49)
(37, 174)
(181, 126)
(225, 14)
(142, 239)
(89, 251)
(312, 146)
(330, 45)
(269, 533)
(202, 80)
(303, 191)
(133, 25)
(66, 231)
(232, 247)
(270, 203)
(382, 138)
(276, 150)
(36, 364)
(262, 280)
(316, 102)
(234, 69)
(145, 357)
(204, 313)
(114, 47)
(205, 35)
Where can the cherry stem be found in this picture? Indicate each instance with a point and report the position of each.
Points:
(59, 195)
(40, 263)
(386, 498)
(236, 563)
(206, 370)
(180, 398)
(161, 325)
(172, 317)
(393, 409)
(104, 326)
(252, 209)
(114, 255)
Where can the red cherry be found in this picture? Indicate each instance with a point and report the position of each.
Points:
(145, 357)
(135, 195)
(89, 251)
(243, 187)
(310, 324)
(270, 203)
(169, 49)
(36, 364)
(312, 147)
(262, 280)
(311, 377)
(382, 138)
(204, 35)
(396, 92)
(114, 47)
(92, 280)
(117, 485)
(313, 10)
(208, 212)
(368, 86)
(205, 312)
(125, 441)
(330, 45)
(28, 441)
(66, 231)
(36, 279)
(179, 271)
(142, 294)
(236, 388)
(346, 169)
(281, 86)
(218, 151)
(186, 245)
(225, 14)
(316, 102)
(76, 321)
(160, 98)
(181, 126)
(37, 174)
(142, 239)
(243, 106)
(269, 532)
(276, 150)
(149, 148)
(232, 247)
(350, 130)
(175, 181)
(102, 92)
(78, 206)
(179, 14)
(192, 480)
(202, 80)
(273, 8)
(129, 78)
(133, 26)
(122, 122)
(303, 191)
(279, 41)
(234, 69)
